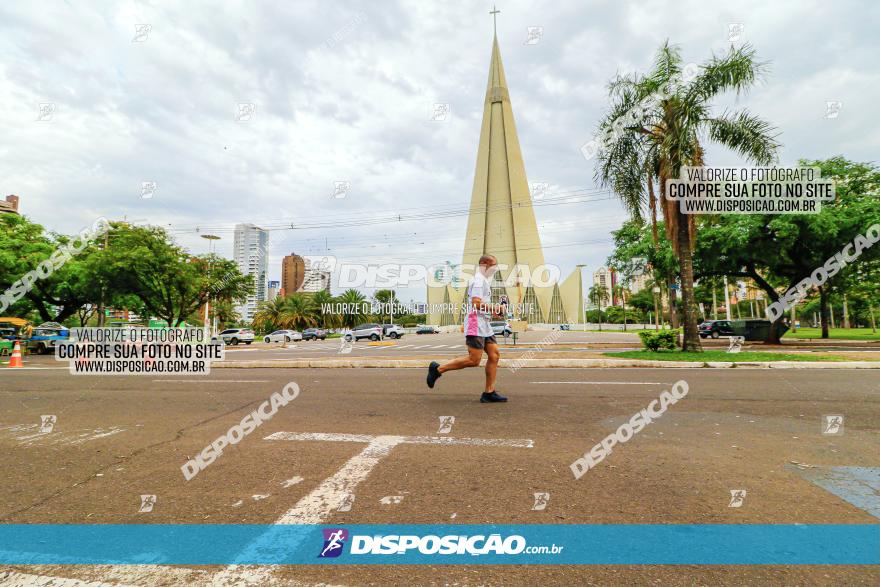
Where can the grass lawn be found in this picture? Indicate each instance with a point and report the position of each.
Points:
(839, 333)
(723, 356)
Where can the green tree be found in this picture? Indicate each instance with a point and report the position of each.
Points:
(270, 315)
(778, 251)
(299, 312)
(24, 245)
(665, 133)
(598, 295)
(357, 302)
(322, 300)
(169, 283)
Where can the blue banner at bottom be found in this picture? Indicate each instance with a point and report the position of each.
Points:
(638, 544)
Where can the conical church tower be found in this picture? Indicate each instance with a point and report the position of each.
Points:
(502, 220)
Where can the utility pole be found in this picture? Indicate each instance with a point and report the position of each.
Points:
(101, 310)
(714, 304)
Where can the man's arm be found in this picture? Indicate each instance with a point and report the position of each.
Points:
(494, 309)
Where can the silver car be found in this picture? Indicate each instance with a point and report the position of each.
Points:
(283, 336)
(369, 330)
(234, 336)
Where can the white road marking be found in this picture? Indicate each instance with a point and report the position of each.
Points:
(335, 491)
(317, 506)
(14, 369)
(214, 380)
(75, 437)
(599, 383)
(292, 481)
(129, 575)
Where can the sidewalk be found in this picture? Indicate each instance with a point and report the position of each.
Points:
(578, 363)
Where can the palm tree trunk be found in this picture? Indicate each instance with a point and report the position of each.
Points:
(653, 201)
(669, 211)
(823, 309)
(690, 337)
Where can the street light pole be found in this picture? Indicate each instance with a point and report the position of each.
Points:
(207, 327)
(583, 305)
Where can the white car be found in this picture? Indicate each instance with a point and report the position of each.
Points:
(501, 327)
(234, 336)
(283, 336)
(392, 330)
(369, 330)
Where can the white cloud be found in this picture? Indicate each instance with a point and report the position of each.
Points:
(343, 92)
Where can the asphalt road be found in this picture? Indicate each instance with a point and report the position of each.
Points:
(447, 345)
(117, 438)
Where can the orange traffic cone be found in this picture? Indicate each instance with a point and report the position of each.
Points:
(15, 360)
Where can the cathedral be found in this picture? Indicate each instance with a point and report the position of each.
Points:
(502, 223)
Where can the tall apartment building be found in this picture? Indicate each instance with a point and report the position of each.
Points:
(250, 251)
(316, 278)
(10, 205)
(607, 278)
(293, 273)
(274, 289)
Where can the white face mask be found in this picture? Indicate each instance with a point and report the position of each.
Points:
(488, 272)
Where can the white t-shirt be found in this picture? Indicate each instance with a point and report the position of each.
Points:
(476, 323)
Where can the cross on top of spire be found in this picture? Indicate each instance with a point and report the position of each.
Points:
(494, 12)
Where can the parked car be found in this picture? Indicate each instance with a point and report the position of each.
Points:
(501, 327)
(44, 337)
(392, 330)
(715, 328)
(369, 330)
(314, 334)
(565, 327)
(427, 330)
(234, 336)
(282, 336)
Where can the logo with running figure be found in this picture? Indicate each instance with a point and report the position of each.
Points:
(334, 541)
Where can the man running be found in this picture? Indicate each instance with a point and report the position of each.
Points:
(478, 332)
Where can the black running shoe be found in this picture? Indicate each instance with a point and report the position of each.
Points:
(433, 373)
(491, 398)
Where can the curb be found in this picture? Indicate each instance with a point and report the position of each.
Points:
(370, 362)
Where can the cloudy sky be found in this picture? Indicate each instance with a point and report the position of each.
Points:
(344, 91)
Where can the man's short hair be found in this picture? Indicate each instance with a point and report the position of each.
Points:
(484, 259)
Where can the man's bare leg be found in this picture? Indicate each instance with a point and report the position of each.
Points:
(472, 360)
(491, 366)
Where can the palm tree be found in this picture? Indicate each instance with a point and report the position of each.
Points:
(357, 302)
(327, 318)
(598, 295)
(299, 312)
(621, 292)
(270, 315)
(672, 120)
